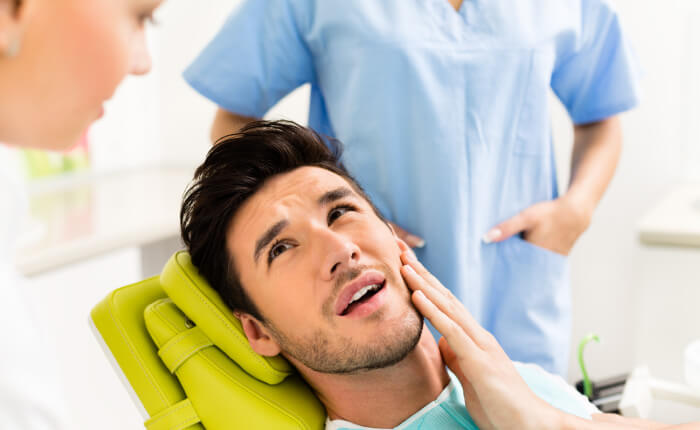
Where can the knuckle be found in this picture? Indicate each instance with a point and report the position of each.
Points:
(528, 216)
(453, 329)
(454, 308)
(489, 340)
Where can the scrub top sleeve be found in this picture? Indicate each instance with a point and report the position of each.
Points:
(257, 58)
(598, 77)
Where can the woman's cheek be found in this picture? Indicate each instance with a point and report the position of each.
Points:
(98, 61)
(100, 51)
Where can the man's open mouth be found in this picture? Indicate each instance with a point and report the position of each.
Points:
(362, 296)
(359, 291)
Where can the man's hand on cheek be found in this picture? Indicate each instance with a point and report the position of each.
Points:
(410, 239)
(495, 394)
(405, 248)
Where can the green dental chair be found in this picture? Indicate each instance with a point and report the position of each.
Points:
(185, 357)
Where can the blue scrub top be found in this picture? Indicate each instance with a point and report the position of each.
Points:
(446, 123)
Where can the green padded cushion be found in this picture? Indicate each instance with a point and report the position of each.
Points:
(120, 323)
(222, 394)
(191, 293)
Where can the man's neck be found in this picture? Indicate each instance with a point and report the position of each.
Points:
(386, 397)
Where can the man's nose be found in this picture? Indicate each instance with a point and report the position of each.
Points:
(340, 253)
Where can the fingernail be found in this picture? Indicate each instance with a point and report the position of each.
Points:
(492, 235)
(411, 256)
(409, 269)
(419, 243)
(419, 294)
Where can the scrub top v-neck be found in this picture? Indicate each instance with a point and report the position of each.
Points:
(445, 120)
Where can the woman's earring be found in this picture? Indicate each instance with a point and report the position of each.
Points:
(12, 46)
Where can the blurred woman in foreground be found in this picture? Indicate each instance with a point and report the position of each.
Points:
(60, 60)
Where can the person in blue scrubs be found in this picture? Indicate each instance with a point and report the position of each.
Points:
(443, 108)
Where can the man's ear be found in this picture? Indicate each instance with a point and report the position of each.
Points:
(258, 335)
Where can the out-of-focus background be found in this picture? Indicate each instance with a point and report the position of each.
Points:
(96, 227)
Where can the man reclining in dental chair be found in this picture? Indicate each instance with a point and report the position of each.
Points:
(314, 273)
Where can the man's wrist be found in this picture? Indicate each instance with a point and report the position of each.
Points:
(570, 422)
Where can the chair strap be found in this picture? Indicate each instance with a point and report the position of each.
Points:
(182, 346)
(179, 416)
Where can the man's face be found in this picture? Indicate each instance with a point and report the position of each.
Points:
(323, 270)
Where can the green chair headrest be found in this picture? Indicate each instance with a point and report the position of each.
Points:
(198, 300)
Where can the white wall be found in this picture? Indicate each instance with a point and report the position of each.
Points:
(159, 118)
(60, 303)
(643, 301)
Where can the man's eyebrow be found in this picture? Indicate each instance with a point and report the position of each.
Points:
(267, 237)
(333, 195)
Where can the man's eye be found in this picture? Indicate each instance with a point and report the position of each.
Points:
(277, 249)
(339, 211)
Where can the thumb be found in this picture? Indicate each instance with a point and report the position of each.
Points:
(471, 399)
(450, 359)
(518, 223)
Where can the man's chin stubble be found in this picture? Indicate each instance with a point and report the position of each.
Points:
(352, 359)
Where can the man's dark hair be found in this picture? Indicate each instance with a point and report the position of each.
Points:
(235, 168)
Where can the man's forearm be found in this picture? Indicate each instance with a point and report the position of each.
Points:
(629, 422)
(226, 123)
(595, 155)
(616, 422)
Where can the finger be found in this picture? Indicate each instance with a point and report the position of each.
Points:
(410, 259)
(456, 337)
(414, 241)
(448, 304)
(416, 281)
(450, 358)
(403, 247)
(411, 239)
(471, 398)
(508, 228)
(474, 406)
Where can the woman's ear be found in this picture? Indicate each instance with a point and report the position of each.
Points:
(258, 336)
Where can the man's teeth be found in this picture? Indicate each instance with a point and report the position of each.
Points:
(358, 295)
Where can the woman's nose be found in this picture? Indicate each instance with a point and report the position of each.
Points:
(140, 57)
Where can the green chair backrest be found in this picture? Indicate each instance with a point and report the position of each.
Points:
(185, 356)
